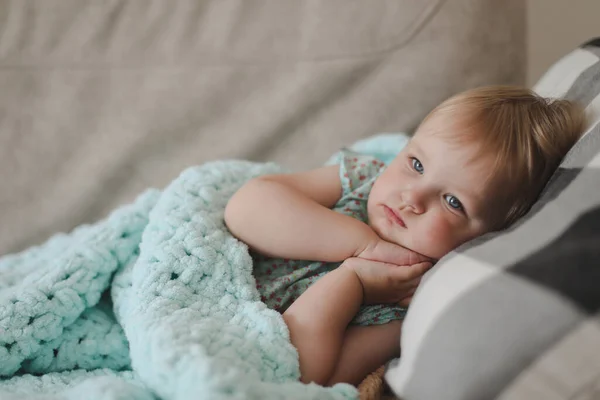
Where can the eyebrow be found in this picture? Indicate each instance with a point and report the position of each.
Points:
(472, 212)
(467, 196)
(418, 149)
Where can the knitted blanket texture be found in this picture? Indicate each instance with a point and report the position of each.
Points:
(157, 301)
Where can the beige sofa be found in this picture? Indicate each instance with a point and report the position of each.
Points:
(100, 100)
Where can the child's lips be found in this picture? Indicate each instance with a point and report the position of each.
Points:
(393, 216)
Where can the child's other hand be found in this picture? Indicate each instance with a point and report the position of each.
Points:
(379, 250)
(387, 283)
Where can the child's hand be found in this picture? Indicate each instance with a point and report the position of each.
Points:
(378, 249)
(387, 283)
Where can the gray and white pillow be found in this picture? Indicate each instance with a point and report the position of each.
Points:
(515, 315)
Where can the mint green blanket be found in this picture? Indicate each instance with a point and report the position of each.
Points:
(157, 301)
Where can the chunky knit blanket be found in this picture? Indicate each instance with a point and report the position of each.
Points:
(157, 301)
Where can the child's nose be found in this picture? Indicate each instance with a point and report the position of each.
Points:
(415, 199)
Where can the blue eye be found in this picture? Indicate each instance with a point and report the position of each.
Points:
(417, 166)
(453, 202)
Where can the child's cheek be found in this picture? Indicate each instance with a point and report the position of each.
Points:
(438, 237)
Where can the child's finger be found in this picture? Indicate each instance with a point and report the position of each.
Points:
(415, 282)
(405, 302)
(406, 278)
(415, 271)
(423, 267)
(415, 258)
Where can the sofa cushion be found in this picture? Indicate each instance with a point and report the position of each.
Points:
(101, 100)
(514, 314)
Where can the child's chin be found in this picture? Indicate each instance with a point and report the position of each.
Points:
(389, 234)
(431, 254)
(381, 228)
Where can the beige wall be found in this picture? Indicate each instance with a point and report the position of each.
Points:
(555, 27)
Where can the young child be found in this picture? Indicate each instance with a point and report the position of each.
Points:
(339, 249)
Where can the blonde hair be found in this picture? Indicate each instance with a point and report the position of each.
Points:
(528, 134)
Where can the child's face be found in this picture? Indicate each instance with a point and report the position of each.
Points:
(433, 196)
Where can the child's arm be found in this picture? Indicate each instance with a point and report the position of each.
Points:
(318, 319)
(366, 348)
(290, 216)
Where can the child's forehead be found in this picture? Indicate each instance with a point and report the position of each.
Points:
(456, 124)
(449, 140)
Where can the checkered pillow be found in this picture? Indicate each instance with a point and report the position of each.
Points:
(515, 315)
